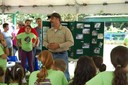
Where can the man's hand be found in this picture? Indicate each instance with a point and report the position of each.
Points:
(53, 46)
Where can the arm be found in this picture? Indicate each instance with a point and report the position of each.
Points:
(18, 40)
(69, 39)
(2, 54)
(6, 51)
(51, 46)
(45, 41)
(35, 43)
(13, 36)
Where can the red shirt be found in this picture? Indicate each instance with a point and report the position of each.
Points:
(23, 30)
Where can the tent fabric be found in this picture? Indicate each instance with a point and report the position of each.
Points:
(99, 1)
(56, 2)
(37, 2)
(63, 6)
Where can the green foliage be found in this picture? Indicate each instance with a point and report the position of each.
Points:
(81, 17)
(68, 17)
(23, 17)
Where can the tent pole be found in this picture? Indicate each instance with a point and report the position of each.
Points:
(77, 10)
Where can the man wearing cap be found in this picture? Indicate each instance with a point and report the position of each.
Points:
(58, 40)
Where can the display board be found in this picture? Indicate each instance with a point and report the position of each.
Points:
(46, 26)
(88, 38)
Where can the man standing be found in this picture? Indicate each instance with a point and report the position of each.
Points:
(38, 47)
(58, 40)
(39, 31)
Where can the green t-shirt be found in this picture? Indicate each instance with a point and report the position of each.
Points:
(55, 77)
(3, 62)
(3, 84)
(103, 78)
(13, 84)
(26, 40)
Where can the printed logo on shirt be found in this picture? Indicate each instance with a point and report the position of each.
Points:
(27, 39)
(45, 82)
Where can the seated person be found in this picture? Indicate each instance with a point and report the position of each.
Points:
(100, 66)
(14, 75)
(47, 75)
(59, 64)
(119, 59)
(84, 71)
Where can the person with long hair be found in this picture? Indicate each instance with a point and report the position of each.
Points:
(84, 71)
(47, 75)
(14, 75)
(100, 66)
(119, 59)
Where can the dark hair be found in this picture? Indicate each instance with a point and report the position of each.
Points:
(38, 19)
(1, 71)
(5, 25)
(47, 61)
(57, 15)
(98, 60)
(60, 63)
(84, 71)
(119, 59)
(29, 26)
(27, 20)
(15, 73)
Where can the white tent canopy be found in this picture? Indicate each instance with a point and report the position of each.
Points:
(64, 6)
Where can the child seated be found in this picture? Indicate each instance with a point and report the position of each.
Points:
(14, 75)
(47, 76)
(59, 64)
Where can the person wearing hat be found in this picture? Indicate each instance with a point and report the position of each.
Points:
(58, 40)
